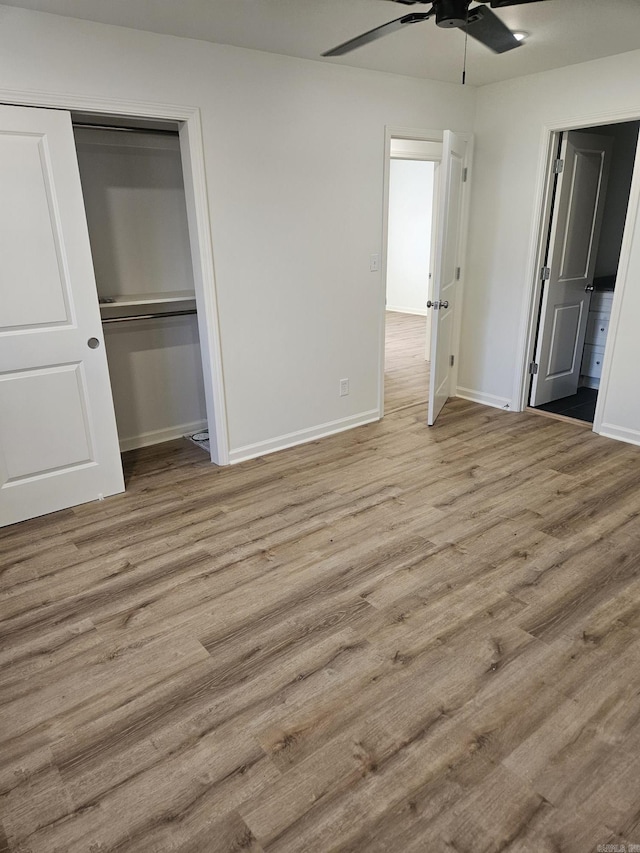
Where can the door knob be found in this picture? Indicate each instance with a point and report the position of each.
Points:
(93, 343)
(444, 304)
(589, 288)
(431, 304)
(435, 305)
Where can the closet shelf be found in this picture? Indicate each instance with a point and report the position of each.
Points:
(134, 300)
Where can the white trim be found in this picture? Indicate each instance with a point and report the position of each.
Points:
(97, 105)
(536, 255)
(157, 436)
(461, 251)
(630, 436)
(195, 185)
(192, 150)
(415, 149)
(415, 133)
(484, 399)
(419, 312)
(302, 436)
(382, 295)
(595, 119)
(633, 208)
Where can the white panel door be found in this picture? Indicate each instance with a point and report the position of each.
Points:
(449, 223)
(575, 230)
(58, 439)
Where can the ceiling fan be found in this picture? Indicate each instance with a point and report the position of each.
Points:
(479, 22)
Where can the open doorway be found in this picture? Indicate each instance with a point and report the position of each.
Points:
(588, 198)
(413, 171)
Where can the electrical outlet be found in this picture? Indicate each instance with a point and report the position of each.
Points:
(374, 263)
(344, 387)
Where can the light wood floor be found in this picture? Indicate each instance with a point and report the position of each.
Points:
(406, 373)
(397, 639)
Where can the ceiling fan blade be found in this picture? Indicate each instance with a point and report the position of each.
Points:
(487, 28)
(379, 32)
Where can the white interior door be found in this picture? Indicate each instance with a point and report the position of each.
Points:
(575, 228)
(446, 263)
(58, 439)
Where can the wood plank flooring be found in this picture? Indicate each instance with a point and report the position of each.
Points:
(406, 372)
(399, 638)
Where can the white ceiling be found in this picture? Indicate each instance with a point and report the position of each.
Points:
(563, 32)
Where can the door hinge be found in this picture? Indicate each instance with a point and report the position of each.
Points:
(545, 273)
(457, 273)
(452, 360)
(558, 166)
(465, 174)
(533, 368)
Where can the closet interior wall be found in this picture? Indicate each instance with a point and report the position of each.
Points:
(133, 189)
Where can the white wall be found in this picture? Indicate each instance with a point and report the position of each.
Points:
(294, 155)
(136, 211)
(409, 240)
(507, 176)
(156, 379)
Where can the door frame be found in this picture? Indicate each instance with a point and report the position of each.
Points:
(194, 175)
(419, 135)
(541, 217)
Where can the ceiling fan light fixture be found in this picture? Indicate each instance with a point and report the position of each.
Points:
(480, 23)
(451, 13)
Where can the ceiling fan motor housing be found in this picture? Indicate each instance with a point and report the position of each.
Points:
(451, 13)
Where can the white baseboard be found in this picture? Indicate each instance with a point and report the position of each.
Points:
(420, 312)
(261, 448)
(631, 436)
(485, 399)
(157, 436)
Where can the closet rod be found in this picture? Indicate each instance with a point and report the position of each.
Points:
(153, 316)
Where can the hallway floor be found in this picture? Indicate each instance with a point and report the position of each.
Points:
(406, 372)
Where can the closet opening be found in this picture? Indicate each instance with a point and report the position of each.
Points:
(589, 184)
(131, 172)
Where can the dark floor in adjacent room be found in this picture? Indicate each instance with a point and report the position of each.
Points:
(581, 406)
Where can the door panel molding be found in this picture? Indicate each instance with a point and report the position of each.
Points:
(26, 170)
(574, 264)
(62, 389)
(566, 318)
